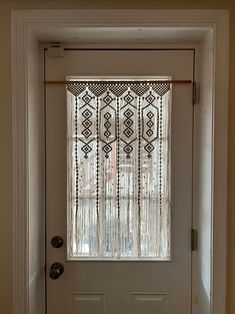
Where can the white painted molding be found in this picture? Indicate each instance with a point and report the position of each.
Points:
(119, 18)
(24, 22)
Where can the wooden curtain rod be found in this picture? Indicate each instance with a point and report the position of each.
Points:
(119, 82)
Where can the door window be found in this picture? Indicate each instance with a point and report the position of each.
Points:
(119, 170)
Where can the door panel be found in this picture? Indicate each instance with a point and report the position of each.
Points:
(120, 286)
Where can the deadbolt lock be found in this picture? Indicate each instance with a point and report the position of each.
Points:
(57, 242)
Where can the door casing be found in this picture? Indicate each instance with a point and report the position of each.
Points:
(28, 29)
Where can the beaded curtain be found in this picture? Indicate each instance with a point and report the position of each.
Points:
(119, 170)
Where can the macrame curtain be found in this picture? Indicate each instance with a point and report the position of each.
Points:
(119, 170)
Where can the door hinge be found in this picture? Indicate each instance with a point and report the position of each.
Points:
(195, 93)
(193, 240)
(55, 50)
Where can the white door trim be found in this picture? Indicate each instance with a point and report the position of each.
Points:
(23, 25)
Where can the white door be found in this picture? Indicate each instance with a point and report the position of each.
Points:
(119, 258)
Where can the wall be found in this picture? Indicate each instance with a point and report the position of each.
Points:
(6, 225)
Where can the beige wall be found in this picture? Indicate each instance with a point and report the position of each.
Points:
(6, 124)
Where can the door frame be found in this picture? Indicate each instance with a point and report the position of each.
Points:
(28, 139)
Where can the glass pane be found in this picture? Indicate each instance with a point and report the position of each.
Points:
(119, 171)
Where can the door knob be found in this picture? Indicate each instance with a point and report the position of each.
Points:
(56, 270)
(57, 242)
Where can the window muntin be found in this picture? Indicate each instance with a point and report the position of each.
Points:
(119, 171)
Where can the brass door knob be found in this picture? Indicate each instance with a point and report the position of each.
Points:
(56, 270)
